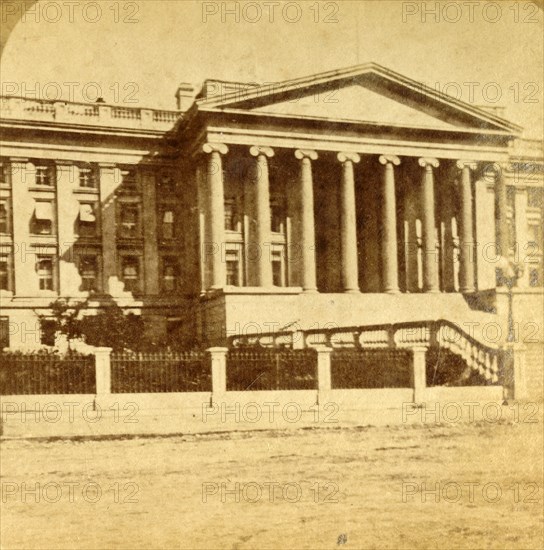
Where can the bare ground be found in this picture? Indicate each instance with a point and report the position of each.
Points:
(335, 488)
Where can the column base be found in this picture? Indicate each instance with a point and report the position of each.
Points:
(431, 291)
(467, 290)
(391, 291)
(218, 288)
(351, 291)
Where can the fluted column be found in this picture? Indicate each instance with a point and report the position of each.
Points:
(430, 250)
(307, 236)
(262, 228)
(466, 233)
(390, 269)
(348, 223)
(216, 213)
(501, 212)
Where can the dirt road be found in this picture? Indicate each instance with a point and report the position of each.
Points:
(454, 486)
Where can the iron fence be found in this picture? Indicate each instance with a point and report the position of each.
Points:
(370, 368)
(187, 371)
(271, 369)
(46, 374)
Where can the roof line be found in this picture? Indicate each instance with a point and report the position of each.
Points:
(288, 85)
(233, 110)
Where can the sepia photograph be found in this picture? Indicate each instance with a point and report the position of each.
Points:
(271, 275)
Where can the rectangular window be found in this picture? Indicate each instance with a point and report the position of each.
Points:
(166, 183)
(87, 220)
(42, 223)
(43, 176)
(4, 217)
(88, 270)
(277, 216)
(4, 273)
(3, 174)
(128, 177)
(535, 235)
(278, 268)
(131, 273)
(169, 275)
(535, 197)
(232, 216)
(233, 269)
(45, 272)
(4, 332)
(87, 178)
(511, 215)
(168, 224)
(48, 328)
(130, 221)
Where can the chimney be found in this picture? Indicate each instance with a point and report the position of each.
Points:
(185, 96)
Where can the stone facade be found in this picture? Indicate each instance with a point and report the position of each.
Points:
(250, 209)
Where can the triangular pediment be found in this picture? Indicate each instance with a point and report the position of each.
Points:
(366, 93)
(357, 103)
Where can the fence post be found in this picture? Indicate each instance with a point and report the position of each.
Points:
(418, 374)
(103, 370)
(323, 368)
(218, 357)
(516, 378)
(298, 339)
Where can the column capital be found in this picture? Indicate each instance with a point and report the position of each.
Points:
(428, 162)
(106, 168)
(471, 164)
(305, 153)
(351, 157)
(215, 148)
(64, 164)
(389, 159)
(495, 169)
(18, 160)
(257, 150)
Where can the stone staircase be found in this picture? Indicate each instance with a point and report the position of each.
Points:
(484, 359)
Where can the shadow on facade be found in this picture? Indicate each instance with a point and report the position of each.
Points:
(128, 251)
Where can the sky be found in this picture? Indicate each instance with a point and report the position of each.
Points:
(137, 53)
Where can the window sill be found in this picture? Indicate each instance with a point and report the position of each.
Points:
(129, 240)
(48, 188)
(46, 294)
(88, 238)
(50, 237)
(86, 191)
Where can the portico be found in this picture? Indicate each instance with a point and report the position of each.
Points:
(379, 191)
(423, 244)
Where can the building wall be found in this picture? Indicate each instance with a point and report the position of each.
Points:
(171, 177)
(67, 244)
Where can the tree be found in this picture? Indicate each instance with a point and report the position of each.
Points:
(111, 328)
(65, 317)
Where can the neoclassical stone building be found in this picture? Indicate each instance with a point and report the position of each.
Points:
(352, 197)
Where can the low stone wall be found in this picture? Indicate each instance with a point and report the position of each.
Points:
(192, 413)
